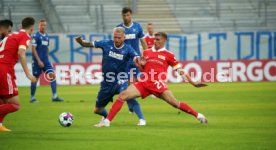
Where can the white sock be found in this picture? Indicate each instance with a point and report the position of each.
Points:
(1, 124)
(55, 95)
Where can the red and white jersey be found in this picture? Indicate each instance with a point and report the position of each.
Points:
(9, 47)
(157, 63)
(149, 40)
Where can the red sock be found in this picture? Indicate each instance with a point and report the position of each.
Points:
(115, 109)
(6, 109)
(186, 108)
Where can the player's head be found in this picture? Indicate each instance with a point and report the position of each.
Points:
(28, 24)
(150, 28)
(42, 25)
(119, 36)
(160, 39)
(5, 27)
(126, 15)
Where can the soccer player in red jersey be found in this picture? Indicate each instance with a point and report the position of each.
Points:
(5, 29)
(12, 48)
(149, 37)
(154, 65)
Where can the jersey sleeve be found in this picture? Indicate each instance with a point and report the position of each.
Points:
(24, 42)
(132, 53)
(48, 41)
(34, 40)
(173, 62)
(100, 44)
(141, 32)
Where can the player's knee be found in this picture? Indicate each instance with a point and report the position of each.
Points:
(96, 110)
(16, 106)
(34, 83)
(52, 76)
(123, 95)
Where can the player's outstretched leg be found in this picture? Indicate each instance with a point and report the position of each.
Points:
(135, 106)
(170, 99)
(11, 105)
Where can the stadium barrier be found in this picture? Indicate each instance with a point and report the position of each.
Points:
(205, 71)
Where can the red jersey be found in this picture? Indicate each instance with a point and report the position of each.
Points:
(9, 47)
(149, 40)
(157, 63)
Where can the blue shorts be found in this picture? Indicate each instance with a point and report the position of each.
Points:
(37, 70)
(107, 91)
(132, 69)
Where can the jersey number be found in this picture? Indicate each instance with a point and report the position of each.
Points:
(3, 43)
(159, 84)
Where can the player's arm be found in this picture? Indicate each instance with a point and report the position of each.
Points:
(177, 67)
(23, 61)
(139, 62)
(40, 63)
(189, 79)
(83, 42)
(144, 43)
(142, 38)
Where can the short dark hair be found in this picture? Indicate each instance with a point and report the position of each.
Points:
(126, 10)
(27, 22)
(6, 23)
(162, 34)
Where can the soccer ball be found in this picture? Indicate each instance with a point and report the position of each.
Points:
(66, 119)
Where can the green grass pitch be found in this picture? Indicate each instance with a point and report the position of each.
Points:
(241, 116)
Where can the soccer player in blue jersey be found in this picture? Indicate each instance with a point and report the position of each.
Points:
(116, 55)
(41, 61)
(134, 35)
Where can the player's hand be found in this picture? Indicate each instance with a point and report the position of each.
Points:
(199, 85)
(32, 78)
(79, 39)
(136, 62)
(40, 64)
(143, 61)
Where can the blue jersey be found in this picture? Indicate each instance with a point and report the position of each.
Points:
(41, 41)
(133, 35)
(114, 59)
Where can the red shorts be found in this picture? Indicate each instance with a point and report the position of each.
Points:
(8, 86)
(146, 88)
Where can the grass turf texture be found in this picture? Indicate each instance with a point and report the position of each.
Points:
(241, 116)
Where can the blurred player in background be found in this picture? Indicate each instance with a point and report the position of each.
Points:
(5, 28)
(12, 48)
(157, 60)
(40, 50)
(134, 34)
(150, 35)
(116, 55)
